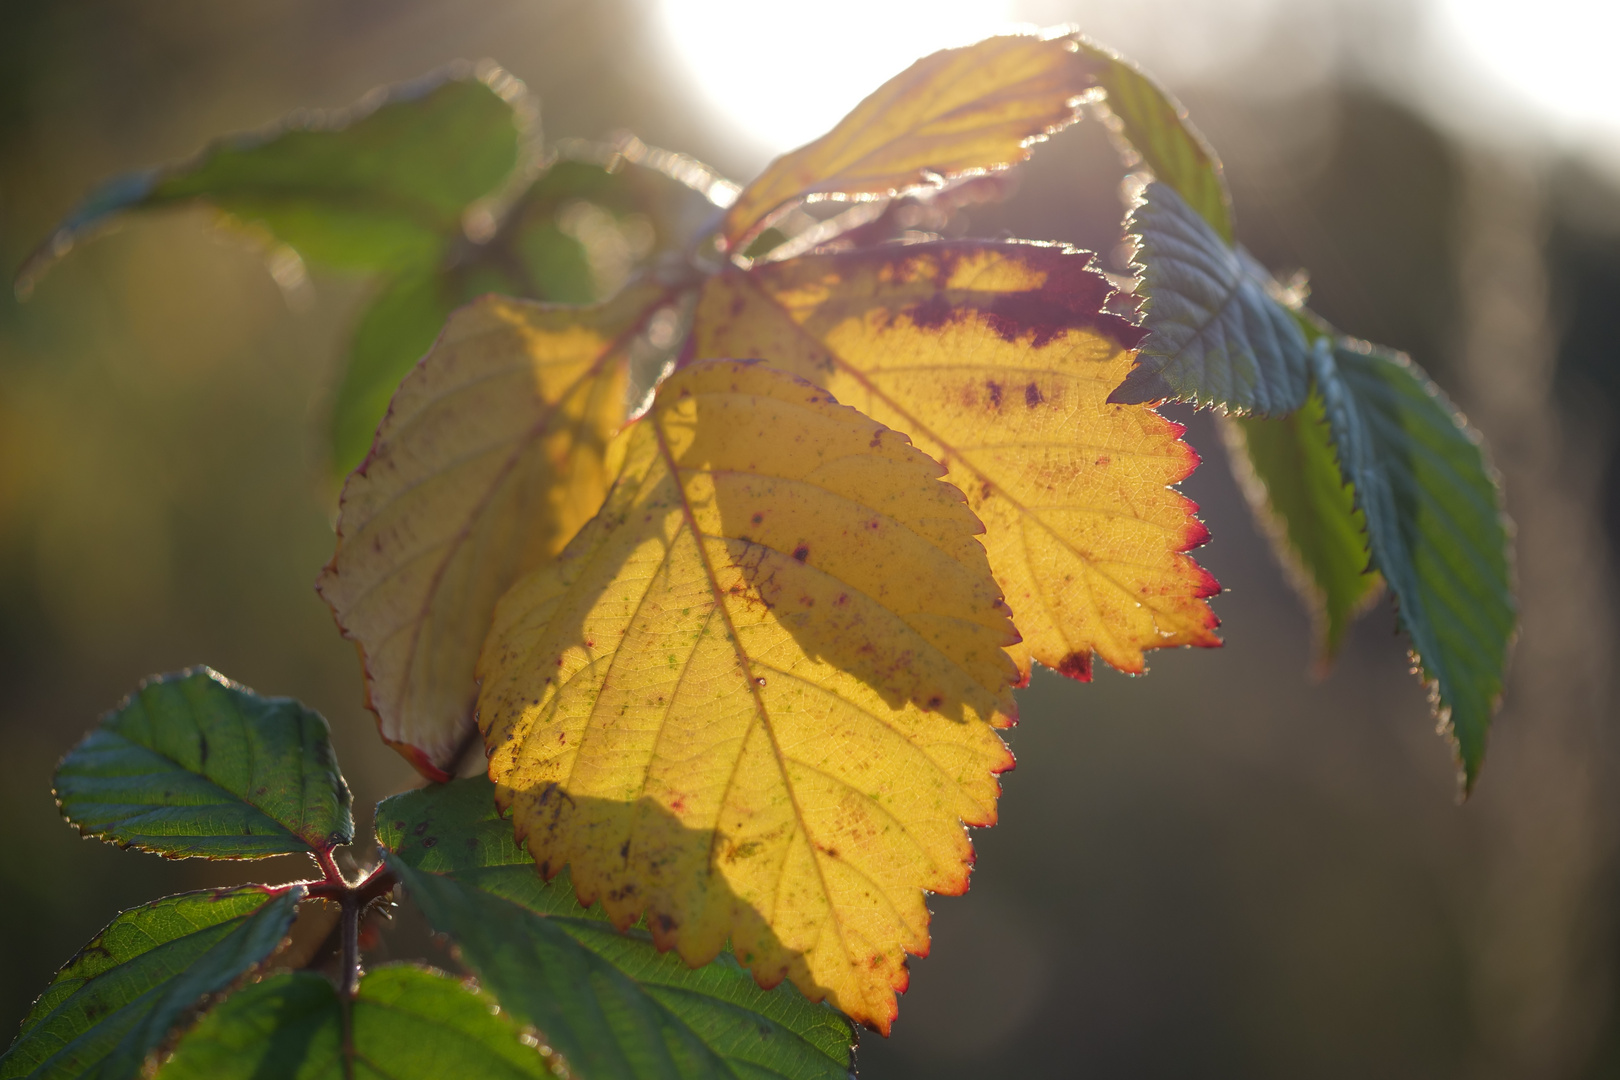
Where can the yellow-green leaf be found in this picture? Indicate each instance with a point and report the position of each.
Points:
(756, 697)
(489, 460)
(1154, 123)
(957, 112)
(1289, 471)
(997, 360)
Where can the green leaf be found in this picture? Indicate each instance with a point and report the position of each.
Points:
(394, 333)
(1435, 521)
(409, 1023)
(611, 1003)
(117, 1000)
(193, 764)
(379, 185)
(1289, 471)
(1156, 126)
(1215, 334)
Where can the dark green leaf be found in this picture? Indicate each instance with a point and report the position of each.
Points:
(611, 1003)
(192, 764)
(410, 1023)
(119, 998)
(380, 185)
(1156, 126)
(1289, 471)
(1215, 334)
(1435, 521)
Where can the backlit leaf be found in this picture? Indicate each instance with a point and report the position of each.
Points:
(1215, 334)
(193, 764)
(409, 1023)
(380, 185)
(1435, 522)
(117, 1000)
(1154, 123)
(393, 333)
(957, 112)
(610, 1002)
(489, 459)
(1289, 471)
(997, 360)
(756, 696)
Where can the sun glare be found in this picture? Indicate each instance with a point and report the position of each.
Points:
(1558, 54)
(784, 72)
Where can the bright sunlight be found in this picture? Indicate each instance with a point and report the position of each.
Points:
(820, 60)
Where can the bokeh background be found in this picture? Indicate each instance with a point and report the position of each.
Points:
(1222, 869)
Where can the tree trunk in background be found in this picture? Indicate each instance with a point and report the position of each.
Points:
(1541, 984)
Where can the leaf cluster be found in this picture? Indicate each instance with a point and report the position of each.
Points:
(198, 985)
(728, 541)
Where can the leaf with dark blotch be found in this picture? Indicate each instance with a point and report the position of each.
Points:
(996, 359)
(957, 112)
(1436, 527)
(380, 185)
(407, 1023)
(611, 1003)
(1215, 334)
(1289, 472)
(1145, 114)
(117, 1001)
(192, 764)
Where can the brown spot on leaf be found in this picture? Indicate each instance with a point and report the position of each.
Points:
(1077, 665)
(802, 552)
(1033, 395)
(995, 393)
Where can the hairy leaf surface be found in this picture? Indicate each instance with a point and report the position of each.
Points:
(957, 112)
(409, 1023)
(379, 185)
(756, 696)
(1154, 123)
(193, 764)
(489, 460)
(1215, 335)
(117, 1000)
(997, 360)
(1289, 471)
(609, 1002)
(1435, 521)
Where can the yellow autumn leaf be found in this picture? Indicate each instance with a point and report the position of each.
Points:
(488, 462)
(957, 112)
(997, 360)
(756, 697)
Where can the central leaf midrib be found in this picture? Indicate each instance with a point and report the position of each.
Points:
(760, 711)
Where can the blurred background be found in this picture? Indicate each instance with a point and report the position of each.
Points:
(1222, 869)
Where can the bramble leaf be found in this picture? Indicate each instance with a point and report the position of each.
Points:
(1157, 128)
(996, 360)
(394, 332)
(193, 764)
(408, 1023)
(1288, 469)
(957, 112)
(380, 185)
(610, 1003)
(489, 460)
(530, 255)
(1435, 523)
(117, 1000)
(756, 697)
(1215, 334)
